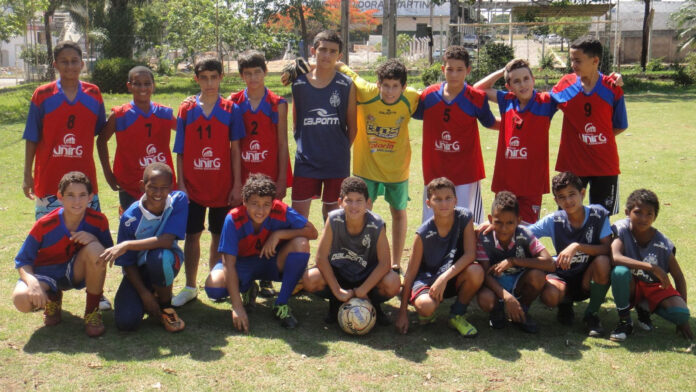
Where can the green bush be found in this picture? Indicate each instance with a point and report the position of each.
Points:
(164, 67)
(35, 55)
(605, 63)
(491, 57)
(654, 64)
(547, 61)
(111, 74)
(682, 78)
(431, 75)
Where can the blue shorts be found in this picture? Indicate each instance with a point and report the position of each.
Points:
(253, 268)
(509, 281)
(59, 276)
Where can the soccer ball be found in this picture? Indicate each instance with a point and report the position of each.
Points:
(357, 316)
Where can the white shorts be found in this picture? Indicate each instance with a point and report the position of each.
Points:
(468, 196)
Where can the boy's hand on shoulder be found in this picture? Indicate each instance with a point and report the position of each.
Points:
(616, 79)
(437, 290)
(82, 237)
(189, 99)
(240, 320)
(269, 247)
(401, 323)
(484, 228)
(514, 309)
(566, 256)
(110, 255)
(291, 71)
(344, 295)
(28, 187)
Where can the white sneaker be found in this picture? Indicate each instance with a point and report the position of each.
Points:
(185, 295)
(104, 304)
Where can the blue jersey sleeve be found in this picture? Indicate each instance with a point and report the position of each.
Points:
(237, 130)
(27, 253)
(620, 119)
(176, 222)
(484, 114)
(295, 219)
(180, 135)
(229, 238)
(101, 119)
(502, 102)
(105, 239)
(126, 233)
(543, 228)
(606, 229)
(32, 130)
(418, 114)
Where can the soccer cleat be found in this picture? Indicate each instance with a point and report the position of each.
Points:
(332, 316)
(497, 319)
(249, 296)
(644, 321)
(382, 318)
(529, 325)
(52, 313)
(171, 320)
(593, 325)
(424, 320)
(566, 314)
(94, 326)
(462, 326)
(104, 304)
(622, 330)
(186, 295)
(267, 290)
(284, 314)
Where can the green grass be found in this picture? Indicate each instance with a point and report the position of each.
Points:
(656, 152)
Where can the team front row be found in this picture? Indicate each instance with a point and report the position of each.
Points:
(501, 263)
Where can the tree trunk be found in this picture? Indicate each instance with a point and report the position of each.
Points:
(51, 74)
(646, 31)
(303, 27)
(453, 32)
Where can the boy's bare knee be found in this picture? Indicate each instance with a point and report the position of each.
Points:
(486, 300)
(299, 244)
(391, 284)
(550, 295)
(536, 279)
(21, 302)
(475, 273)
(425, 306)
(312, 280)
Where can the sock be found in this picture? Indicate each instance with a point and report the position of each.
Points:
(597, 294)
(295, 265)
(376, 298)
(54, 296)
(674, 314)
(621, 289)
(458, 308)
(191, 288)
(92, 302)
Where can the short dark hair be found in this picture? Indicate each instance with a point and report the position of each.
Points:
(566, 179)
(258, 184)
(516, 64)
(74, 177)
(140, 69)
(590, 46)
(207, 63)
(354, 184)
(439, 183)
(392, 69)
(643, 196)
(251, 59)
(456, 52)
(62, 45)
(505, 201)
(330, 36)
(159, 168)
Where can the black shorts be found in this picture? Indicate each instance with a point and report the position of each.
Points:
(196, 218)
(344, 283)
(573, 280)
(604, 190)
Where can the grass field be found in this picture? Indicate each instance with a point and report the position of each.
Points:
(657, 152)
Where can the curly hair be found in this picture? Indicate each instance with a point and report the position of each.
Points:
(354, 184)
(456, 52)
(505, 201)
(258, 184)
(392, 69)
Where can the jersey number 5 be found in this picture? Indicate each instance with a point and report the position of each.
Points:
(446, 115)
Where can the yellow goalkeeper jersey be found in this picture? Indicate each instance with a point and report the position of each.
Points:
(382, 150)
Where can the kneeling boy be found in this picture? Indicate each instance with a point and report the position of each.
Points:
(442, 262)
(515, 262)
(148, 253)
(643, 257)
(263, 239)
(62, 252)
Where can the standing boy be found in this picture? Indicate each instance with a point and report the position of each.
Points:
(324, 127)
(209, 165)
(451, 145)
(143, 130)
(442, 262)
(262, 239)
(353, 255)
(594, 113)
(148, 252)
(64, 116)
(62, 252)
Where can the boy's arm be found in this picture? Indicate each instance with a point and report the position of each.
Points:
(414, 263)
(678, 276)
(617, 251)
(382, 268)
(542, 261)
(149, 301)
(352, 115)
(283, 153)
(181, 183)
(235, 196)
(324, 266)
(239, 316)
(486, 84)
(565, 257)
(164, 241)
(269, 247)
(103, 150)
(437, 290)
(28, 183)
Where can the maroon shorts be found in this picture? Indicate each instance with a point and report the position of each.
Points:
(530, 207)
(304, 189)
(652, 293)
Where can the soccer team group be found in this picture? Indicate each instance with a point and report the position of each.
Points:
(233, 163)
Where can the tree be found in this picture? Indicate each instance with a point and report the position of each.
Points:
(15, 14)
(191, 26)
(571, 32)
(291, 13)
(646, 33)
(686, 23)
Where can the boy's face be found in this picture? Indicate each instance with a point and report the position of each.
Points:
(209, 81)
(442, 201)
(156, 189)
(75, 198)
(521, 83)
(569, 199)
(582, 64)
(390, 90)
(504, 223)
(69, 64)
(455, 71)
(354, 204)
(141, 86)
(327, 54)
(258, 208)
(642, 216)
(253, 77)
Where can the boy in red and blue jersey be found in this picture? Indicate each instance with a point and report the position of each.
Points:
(594, 113)
(62, 252)
(451, 145)
(64, 117)
(261, 239)
(143, 130)
(208, 161)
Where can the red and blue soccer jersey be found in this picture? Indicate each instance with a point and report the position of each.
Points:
(204, 142)
(48, 242)
(451, 145)
(588, 146)
(141, 139)
(259, 147)
(522, 158)
(64, 132)
(238, 237)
